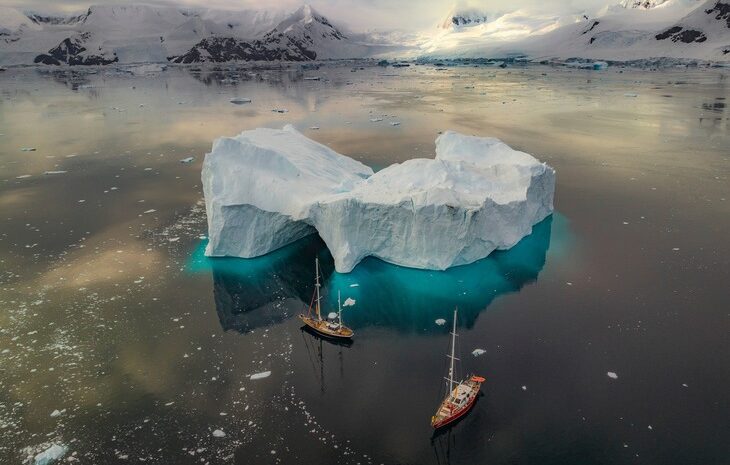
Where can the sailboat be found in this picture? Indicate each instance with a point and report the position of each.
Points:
(327, 328)
(460, 395)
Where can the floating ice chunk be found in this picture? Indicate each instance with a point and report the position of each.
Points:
(612, 375)
(240, 100)
(395, 123)
(354, 285)
(631, 95)
(478, 352)
(376, 120)
(55, 172)
(314, 128)
(173, 239)
(349, 302)
(50, 455)
(266, 188)
(219, 433)
(263, 374)
(151, 210)
(57, 413)
(440, 322)
(312, 78)
(27, 149)
(187, 160)
(280, 110)
(23, 176)
(524, 388)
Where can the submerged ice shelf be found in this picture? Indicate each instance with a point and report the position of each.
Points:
(267, 188)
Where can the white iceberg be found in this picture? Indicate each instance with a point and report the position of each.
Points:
(267, 188)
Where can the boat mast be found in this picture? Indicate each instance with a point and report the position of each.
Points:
(453, 348)
(317, 285)
(339, 308)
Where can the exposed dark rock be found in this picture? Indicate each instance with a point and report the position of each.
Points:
(721, 11)
(70, 51)
(687, 36)
(595, 23)
(223, 49)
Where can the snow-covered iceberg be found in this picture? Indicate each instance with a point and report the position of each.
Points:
(266, 188)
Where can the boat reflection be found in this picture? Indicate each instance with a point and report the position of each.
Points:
(247, 290)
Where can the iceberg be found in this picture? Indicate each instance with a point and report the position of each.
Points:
(266, 188)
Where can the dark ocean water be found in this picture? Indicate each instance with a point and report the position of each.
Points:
(110, 313)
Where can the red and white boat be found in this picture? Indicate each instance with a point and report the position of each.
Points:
(460, 395)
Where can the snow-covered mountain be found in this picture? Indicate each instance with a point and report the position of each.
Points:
(463, 17)
(631, 30)
(303, 35)
(143, 33)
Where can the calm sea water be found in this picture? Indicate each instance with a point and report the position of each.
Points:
(111, 315)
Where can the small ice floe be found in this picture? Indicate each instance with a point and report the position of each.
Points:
(219, 433)
(478, 352)
(332, 315)
(312, 78)
(23, 176)
(55, 172)
(631, 95)
(280, 110)
(57, 413)
(395, 123)
(524, 388)
(27, 149)
(263, 374)
(187, 160)
(440, 322)
(349, 302)
(612, 375)
(354, 285)
(376, 120)
(239, 100)
(675, 249)
(173, 239)
(314, 128)
(50, 455)
(151, 210)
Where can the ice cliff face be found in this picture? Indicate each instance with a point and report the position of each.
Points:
(267, 188)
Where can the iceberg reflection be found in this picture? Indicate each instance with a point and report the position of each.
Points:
(385, 295)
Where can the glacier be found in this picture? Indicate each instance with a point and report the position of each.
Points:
(266, 188)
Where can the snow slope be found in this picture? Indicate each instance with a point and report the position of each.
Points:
(633, 30)
(266, 188)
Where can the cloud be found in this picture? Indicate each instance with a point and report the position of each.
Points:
(407, 15)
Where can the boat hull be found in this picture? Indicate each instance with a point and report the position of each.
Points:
(440, 421)
(321, 328)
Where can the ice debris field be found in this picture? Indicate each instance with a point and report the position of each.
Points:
(267, 188)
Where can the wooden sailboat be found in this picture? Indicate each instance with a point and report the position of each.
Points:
(327, 328)
(460, 395)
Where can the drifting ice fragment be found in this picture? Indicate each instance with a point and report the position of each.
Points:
(50, 455)
(263, 374)
(478, 352)
(630, 94)
(28, 149)
(219, 433)
(280, 110)
(612, 375)
(187, 160)
(376, 120)
(440, 322)
(240, 100)
(55, 172)
(348, 302)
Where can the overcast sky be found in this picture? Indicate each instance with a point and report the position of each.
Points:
(358, 14)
